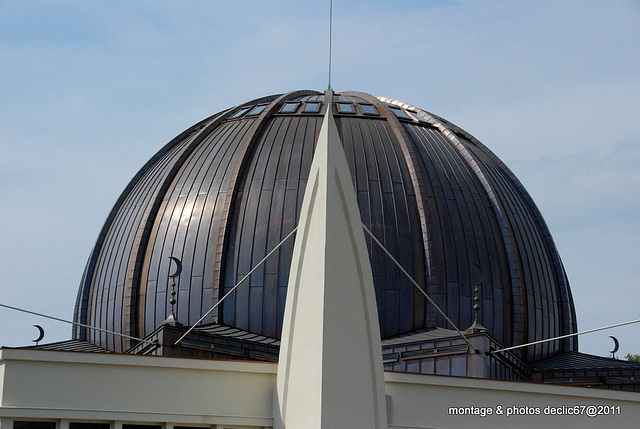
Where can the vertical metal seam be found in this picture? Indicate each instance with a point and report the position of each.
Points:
(569, 322)
(248, 144)
(178, 166)
(415, 174)
(507, 234)
(143, 230)
(87, 278)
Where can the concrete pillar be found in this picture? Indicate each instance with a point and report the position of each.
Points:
(330, 372)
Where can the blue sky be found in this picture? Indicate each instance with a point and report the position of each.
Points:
(90, 90)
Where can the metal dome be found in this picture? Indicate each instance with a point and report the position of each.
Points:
(224, 192)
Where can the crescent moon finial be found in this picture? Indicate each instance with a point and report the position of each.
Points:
(40, 334)
(178, 270)
(481, 274)
(616, 345)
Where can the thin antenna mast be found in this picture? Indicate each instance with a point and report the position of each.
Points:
(330, 38)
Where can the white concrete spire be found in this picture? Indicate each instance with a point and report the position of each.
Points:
(330, 372)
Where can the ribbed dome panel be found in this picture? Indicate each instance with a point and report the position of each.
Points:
(225, 192)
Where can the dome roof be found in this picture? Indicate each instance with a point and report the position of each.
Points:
(226, 191)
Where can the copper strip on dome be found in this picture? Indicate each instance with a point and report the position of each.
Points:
(450, 131)
(235, 195)
(415, 173)
(519, 295)
(81, 308)
(249, 141)
(134, 323)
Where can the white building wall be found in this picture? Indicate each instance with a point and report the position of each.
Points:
(426, 401)
(40, 384)
(119, 389)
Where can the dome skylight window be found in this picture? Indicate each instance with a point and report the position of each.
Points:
(369, 109)
(240, 112)
(418, 117)
(290, 107)
(346, 108)
(258, 109)
(312, 107)
(400, 113)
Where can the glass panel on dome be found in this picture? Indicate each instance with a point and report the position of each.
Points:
(312, 107)
(290, 107)
(240, 112)
(400, 113)
(346, 108)
(369, 109)
(418, 117)
(257, 110)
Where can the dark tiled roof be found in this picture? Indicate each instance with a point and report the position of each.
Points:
(237, 334)
(578, 361)
(68, 346)
(422, 335)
